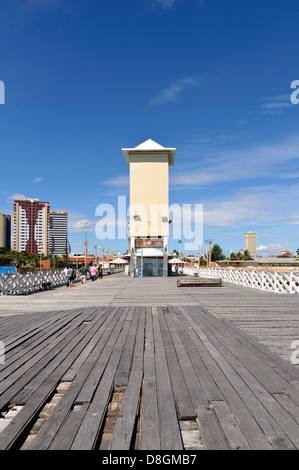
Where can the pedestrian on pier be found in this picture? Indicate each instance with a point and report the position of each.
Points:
(93, 272)
(70, 276)
(83, 274)
(100, 272)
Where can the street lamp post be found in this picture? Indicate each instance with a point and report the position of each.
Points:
(198, 256)
(180, 254)
(85, 243)
(210, 252)
(40, 258)
(95, 253)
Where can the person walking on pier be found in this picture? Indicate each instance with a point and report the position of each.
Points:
(93, 272)
(100, 272)
(83, 274)
(70, 276)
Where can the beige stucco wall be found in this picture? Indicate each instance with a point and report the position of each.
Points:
(149, 194)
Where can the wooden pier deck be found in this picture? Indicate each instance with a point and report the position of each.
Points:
(167, 375)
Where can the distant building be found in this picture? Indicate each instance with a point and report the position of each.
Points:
(78, 259)
(31, 223)
(5, 231)
(286, 253)
(58, 225)
(250, 243)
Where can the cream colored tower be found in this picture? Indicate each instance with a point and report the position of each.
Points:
(250, 242)
(149, 207)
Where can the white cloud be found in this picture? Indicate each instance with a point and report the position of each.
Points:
(81, 224)
(166, 3)
(118, 181)
(245, 208)
(262, 248)
(16, 197)
(264, 206)
(241, 164)
(172, 92)
(271, 249)
(37, 180)
(45, 4)
(276, 104)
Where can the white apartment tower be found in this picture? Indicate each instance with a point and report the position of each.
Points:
(58, 232)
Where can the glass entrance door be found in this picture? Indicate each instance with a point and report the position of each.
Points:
(149, 267)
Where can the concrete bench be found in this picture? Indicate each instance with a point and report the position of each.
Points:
(200, 281)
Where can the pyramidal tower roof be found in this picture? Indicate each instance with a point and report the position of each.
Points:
(149, 146)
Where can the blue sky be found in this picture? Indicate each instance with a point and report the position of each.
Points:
(209, 77)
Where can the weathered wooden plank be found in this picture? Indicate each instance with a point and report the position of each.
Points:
(51, 377)
(263, 418)
(206, 390)
(48, 435)
(107, 315)
(253, 393)
(124, 427)
(66, 350)
(65, 435)
(285, 370)
(211, 432)
(234, 348)
(169, 430)
(252, 432)
(24, 353)
(104, 352)
(229, 426)
(89, 430)
(183, 401)
(124, 368)
(28, 377)
(26, 330)
(271, 378)
(150, 435)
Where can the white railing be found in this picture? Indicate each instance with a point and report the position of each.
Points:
(273, 281)
(18, 284)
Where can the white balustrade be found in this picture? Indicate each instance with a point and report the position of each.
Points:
(20, 284)
(272, 281)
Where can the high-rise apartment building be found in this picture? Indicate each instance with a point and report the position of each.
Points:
(31, 226)
(250, 243)
(5, 231)
(58, 232)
